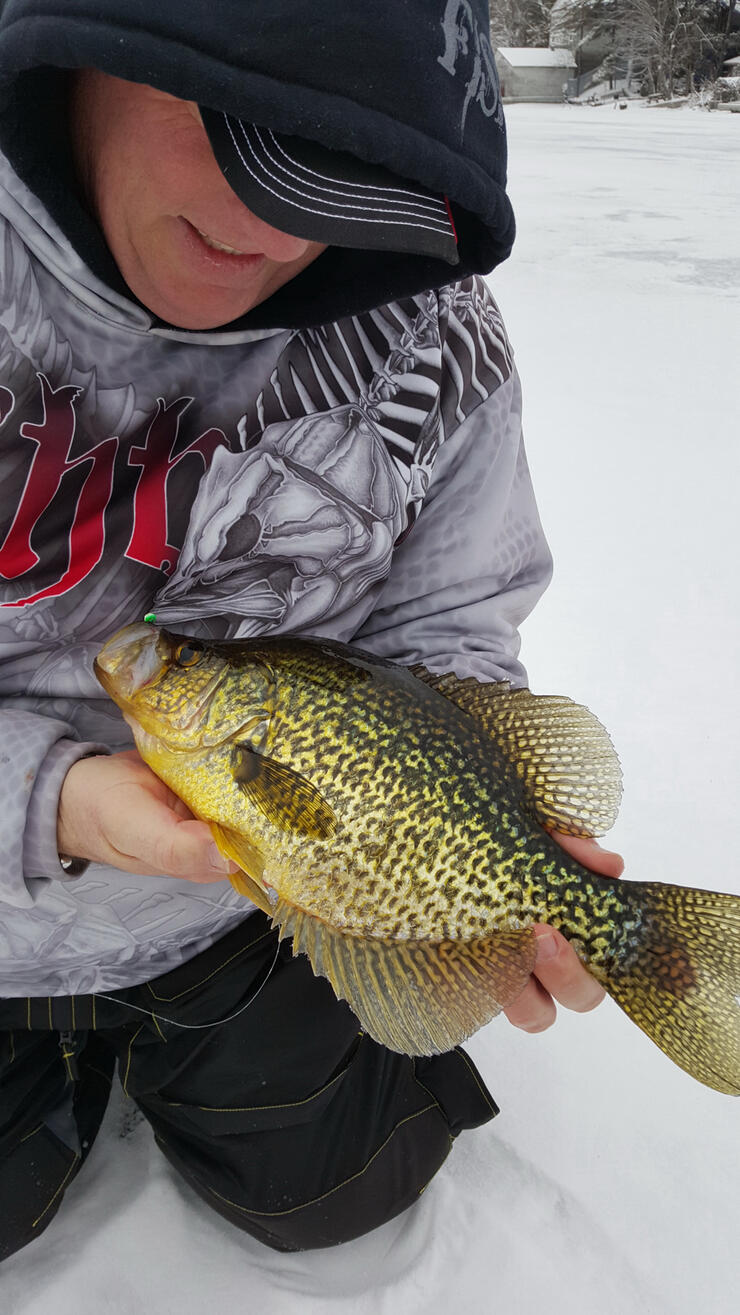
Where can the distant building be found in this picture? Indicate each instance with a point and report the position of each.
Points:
(533, 73)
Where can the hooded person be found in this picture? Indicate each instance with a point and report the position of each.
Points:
(252, 381)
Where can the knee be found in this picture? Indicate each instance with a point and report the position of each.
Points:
(33, 1179)
(390, 1182)
(290, 1203)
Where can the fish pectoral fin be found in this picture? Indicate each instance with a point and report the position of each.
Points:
(285, 797)
(247, 882)
(560, 751)
(416, 997)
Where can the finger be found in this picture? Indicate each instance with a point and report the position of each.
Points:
(189, 851)
(586, 850)
(166, 843)
(561, 973)
(533, 1010)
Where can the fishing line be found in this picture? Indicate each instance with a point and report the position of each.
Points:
(193, 1027)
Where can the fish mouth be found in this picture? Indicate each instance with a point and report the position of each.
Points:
(129, 661)
(137, 657)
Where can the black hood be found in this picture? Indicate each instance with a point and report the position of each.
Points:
(409, 84)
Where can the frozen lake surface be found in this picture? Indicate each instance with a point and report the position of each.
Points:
(610, 1179)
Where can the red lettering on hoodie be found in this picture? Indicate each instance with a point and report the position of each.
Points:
(54, 437)
(149, 538)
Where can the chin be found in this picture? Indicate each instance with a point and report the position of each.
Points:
(197, 310)
(200, 319)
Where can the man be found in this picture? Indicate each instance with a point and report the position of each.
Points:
(250, 380)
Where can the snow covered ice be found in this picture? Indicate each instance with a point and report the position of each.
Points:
(610, 1179)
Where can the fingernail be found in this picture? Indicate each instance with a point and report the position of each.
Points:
(217, 861)
(547, 947)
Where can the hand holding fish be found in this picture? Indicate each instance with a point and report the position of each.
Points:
(115, 810)
(558, 973)
(398, 826)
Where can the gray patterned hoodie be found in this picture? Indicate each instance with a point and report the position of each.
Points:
(364, 479)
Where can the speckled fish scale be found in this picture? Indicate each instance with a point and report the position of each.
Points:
(396, 825)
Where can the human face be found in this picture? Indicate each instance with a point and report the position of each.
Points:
(154, 185)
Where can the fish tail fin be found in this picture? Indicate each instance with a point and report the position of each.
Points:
(677, 975)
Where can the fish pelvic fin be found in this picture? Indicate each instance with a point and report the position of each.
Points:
(247, 882)
(415, 997)
(678, 978)
(569, 771)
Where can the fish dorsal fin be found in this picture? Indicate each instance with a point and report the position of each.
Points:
(416, 997)
(561, 753)
(240, 850)
(285, 797)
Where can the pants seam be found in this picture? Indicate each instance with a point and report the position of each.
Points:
(254, 1109)
(303, 1205)
(167, 999)
(477, 1081)
(60, 1188)
(27, 1136)
(124, 1079)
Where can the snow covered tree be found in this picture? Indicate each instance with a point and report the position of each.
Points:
(587, 27)
(662, 41)
(520, 22)
(666, 39)
(574, 22)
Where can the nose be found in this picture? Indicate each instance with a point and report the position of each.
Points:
(252, 234)
(273, 243)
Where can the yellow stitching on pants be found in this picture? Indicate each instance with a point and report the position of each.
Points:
(477, 1082)
(73, 1013)
(194, 985)
(93, 1013)
(156, 1024)
(274, 1214)
(250, 1109)
(51, 1025)
(124, 1080)
(60, 1188)
(107, 1077)
(33, 1132)
(28, 1011)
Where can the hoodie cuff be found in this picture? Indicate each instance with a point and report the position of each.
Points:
(40, 853)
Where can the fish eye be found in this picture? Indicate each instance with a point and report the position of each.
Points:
(186, 655)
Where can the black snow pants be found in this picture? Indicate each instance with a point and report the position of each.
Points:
(285, 1117)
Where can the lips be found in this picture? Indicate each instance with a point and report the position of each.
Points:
(219, 246)
(205, 258)
(216, 252)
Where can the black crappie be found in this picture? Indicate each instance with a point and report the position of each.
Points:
(391, 822)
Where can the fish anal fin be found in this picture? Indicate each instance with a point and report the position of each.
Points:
(415, 997)
(563, 756)
(282, 795)
(247, 882)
